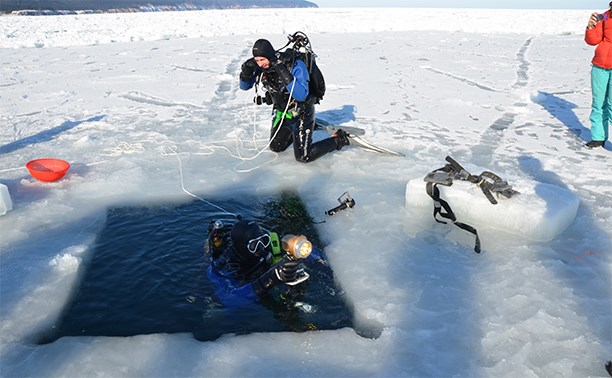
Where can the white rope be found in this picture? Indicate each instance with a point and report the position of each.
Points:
(12, 169)
(212, 149)
(123, 148)
(188, 192)
(278, 127)
(138, 146)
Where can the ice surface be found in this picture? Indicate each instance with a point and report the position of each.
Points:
(144, 105)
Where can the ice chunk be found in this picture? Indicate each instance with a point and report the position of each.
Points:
(6, 204)
(539, 213)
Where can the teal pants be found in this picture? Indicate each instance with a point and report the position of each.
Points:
(601, 107)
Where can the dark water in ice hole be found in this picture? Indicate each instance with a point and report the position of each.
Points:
(147, 274)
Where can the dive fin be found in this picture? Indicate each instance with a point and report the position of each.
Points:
(357, 141)
(354, 134)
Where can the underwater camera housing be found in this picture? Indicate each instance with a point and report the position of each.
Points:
(346, 201)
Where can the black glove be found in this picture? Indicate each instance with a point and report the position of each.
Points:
(285, 271)
(283, 72)
(248, 70)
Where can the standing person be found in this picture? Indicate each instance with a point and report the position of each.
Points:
(599, 33)
(285, 78)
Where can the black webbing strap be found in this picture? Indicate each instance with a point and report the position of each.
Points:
(491, 183)
(440, 204)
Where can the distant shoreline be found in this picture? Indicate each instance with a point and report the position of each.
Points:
(67, 7)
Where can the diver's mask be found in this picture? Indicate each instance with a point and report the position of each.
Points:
(253, 245)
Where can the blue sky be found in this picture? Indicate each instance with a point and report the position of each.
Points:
(527, 4)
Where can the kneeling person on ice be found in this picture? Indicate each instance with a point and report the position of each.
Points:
(247, 263)
(286, 80)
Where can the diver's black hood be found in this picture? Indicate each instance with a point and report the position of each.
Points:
(242, 232)
(263, 47)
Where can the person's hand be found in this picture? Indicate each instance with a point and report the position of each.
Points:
(593, 20)
(285, 271)
(283, 72)
(248, 68)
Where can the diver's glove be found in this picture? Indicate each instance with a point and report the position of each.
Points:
(248, 68)
(283, 72)
(285, 271)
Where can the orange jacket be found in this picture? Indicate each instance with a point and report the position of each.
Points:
(601, 36)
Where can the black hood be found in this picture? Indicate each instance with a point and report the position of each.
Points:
(242, 232)
(263, 47)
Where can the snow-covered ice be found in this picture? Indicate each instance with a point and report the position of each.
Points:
(139, 102)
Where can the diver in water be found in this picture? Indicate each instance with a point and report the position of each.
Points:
(247, 262)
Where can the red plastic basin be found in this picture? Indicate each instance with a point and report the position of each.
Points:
(48, 169)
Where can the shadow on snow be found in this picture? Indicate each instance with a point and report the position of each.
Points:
(46, 135)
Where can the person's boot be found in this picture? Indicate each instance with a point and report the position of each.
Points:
(342, 139)
(596, 143)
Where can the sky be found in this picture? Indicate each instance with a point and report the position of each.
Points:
(520, 4)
